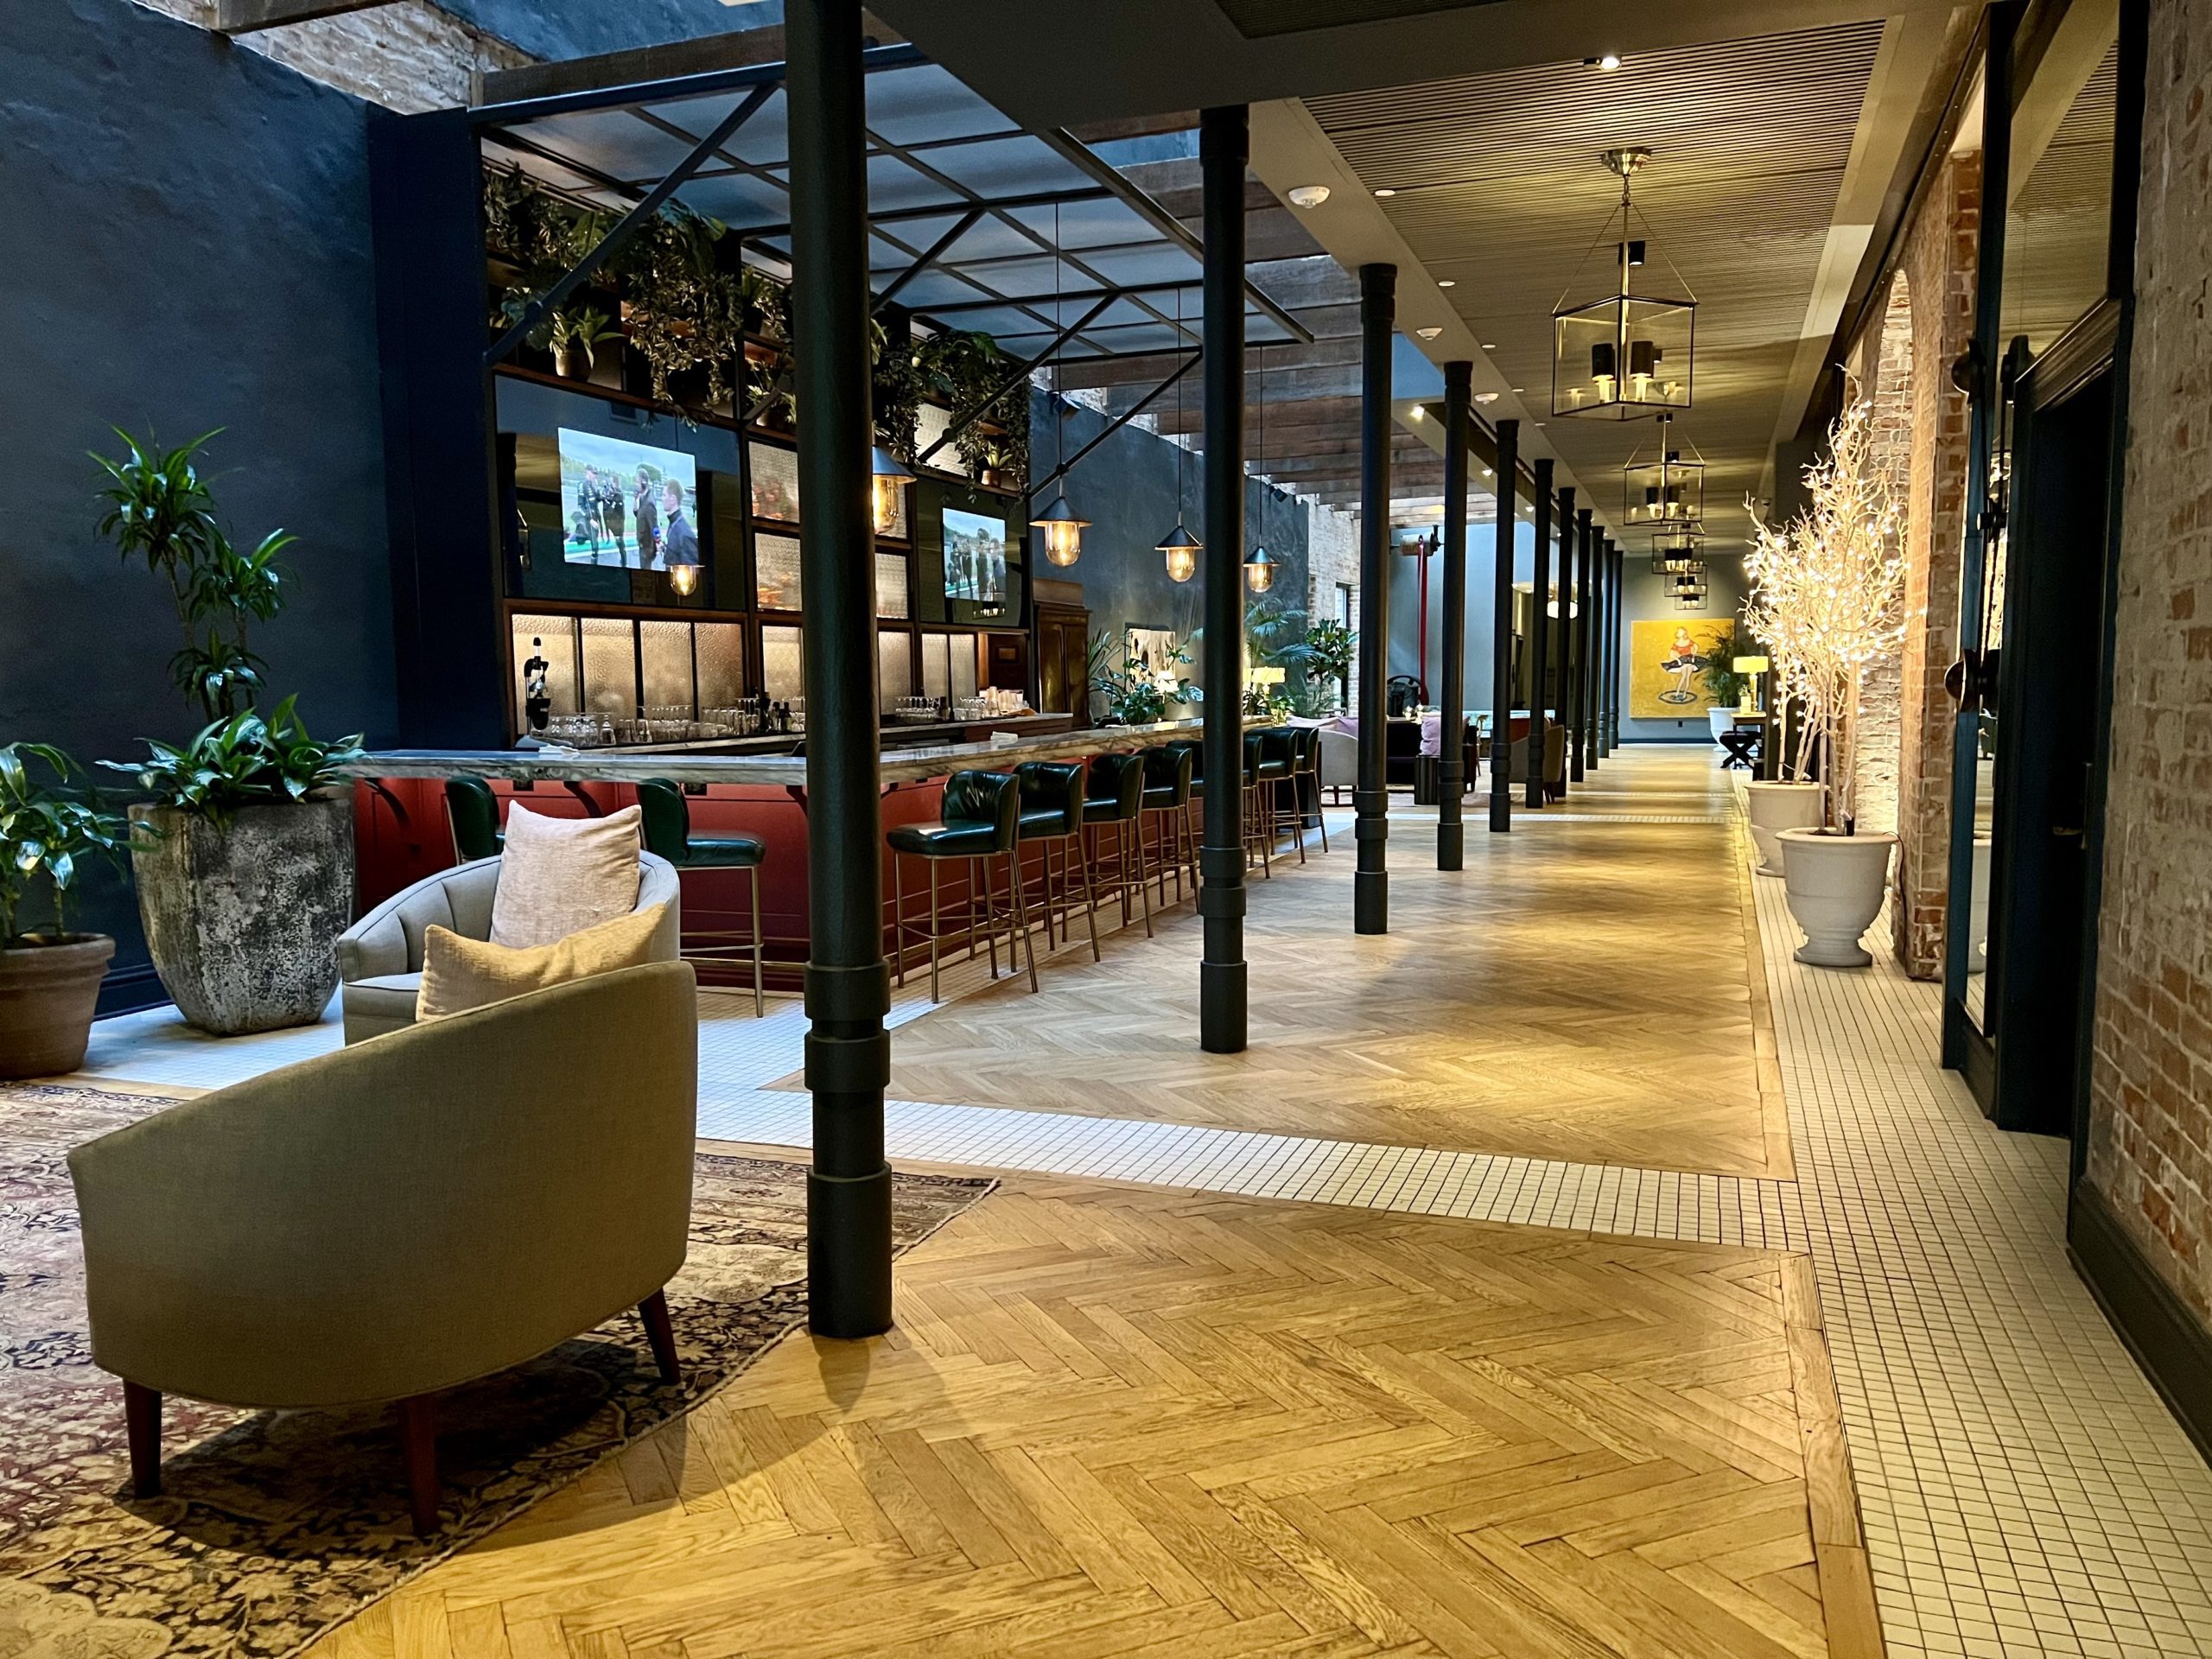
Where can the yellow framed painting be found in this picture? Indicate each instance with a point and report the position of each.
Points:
(1667, 667)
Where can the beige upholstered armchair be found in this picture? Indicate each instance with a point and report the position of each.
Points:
(380, 957)
(393, 1219)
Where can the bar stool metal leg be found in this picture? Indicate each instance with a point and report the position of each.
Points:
(898, 923)
(1020, 917)
(759, 945)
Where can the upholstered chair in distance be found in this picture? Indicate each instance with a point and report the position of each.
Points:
(473, 814)
(389, 1220)
(380, 957)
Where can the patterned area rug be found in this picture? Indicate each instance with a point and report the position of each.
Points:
(273, 1526)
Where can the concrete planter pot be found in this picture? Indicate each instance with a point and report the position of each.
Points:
(1777, 806)
(47, 994)
(1835, 884)
(241, 919)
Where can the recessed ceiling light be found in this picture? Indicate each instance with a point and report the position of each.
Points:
(1607, 61)
(1308, 196)
(1430, 333)
(1490, 344)
(1486, 473)
(1448, 282)
(1520, 388)
(1386, 193)
(1485, 396)
(1419, 413)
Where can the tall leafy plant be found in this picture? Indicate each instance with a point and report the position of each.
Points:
(1827, 598)
(49, 832)
(160, 510)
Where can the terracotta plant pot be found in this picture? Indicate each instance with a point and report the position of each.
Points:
(46, 994)
(241, 921)
(1777, 806)
(1835, 884)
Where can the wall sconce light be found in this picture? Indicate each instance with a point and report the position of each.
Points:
(685, 578)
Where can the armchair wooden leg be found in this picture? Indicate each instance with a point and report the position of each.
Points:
(418, 1429)
(141, 1420)
(662, 1336)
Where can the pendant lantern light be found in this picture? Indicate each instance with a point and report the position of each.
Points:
(1062, 526)
(1666, 487)
(889, 480)
(1178, 546)
(1260, 565)
(1626, 353)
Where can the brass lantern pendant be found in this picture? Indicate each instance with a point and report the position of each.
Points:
(1629, 352)
(1664, 490)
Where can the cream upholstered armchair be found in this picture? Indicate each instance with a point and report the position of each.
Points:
(380, 957)
(394, 1219)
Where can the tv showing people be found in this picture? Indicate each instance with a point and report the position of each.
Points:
(975, 557)
(627, 503)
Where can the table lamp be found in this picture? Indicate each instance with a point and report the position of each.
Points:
(1751, 668)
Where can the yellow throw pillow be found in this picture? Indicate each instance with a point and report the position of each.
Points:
(460, 973)
(558, 876)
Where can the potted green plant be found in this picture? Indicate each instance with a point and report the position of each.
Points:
(49, 978)
(244, 855)
(573, 339)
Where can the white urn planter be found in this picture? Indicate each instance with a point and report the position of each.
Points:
(1835, 884)
(1978, 909)
(1720, 720)
(1776, 806)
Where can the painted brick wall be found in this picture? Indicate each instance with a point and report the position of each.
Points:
(1938, 267)
(1883, 366)
(2151, 1123)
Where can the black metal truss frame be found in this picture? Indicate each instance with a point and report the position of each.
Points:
(505, 125)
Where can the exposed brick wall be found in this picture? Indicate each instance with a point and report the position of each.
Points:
(2151, 1087)
(1938, 267)
(1882, 364)
(409, 56)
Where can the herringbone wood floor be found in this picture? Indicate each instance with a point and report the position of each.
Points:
(1119, 1420)
(1580, 991)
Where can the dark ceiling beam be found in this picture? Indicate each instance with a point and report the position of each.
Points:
(246, 16)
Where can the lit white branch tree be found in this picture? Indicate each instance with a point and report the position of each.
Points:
(1827, 597)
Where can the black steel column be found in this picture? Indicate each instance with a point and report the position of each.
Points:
(1601, 600)
(1501, 629)
(1378, 310)
(1580, 636)
(848, 982)
(1540, 632)
(1615, 644)
(1452, 764)
(1224, 145)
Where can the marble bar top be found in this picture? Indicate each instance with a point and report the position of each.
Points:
(898, 766)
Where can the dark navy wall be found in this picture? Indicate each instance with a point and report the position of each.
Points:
(188, 248)
(1126, 487)
(577, 28)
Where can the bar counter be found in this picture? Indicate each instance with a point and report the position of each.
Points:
(753, 786)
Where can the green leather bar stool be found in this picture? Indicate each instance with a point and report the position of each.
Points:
(1167, 772)
(979, 820)
(1305, 779)
(1194, 823)
(667, 824)
(1265, 764)
(1112, 804)
(1052, 816)
(472, 810)
(1281, 808)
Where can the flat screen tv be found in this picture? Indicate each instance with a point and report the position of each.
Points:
(975, 557)
(627, 504)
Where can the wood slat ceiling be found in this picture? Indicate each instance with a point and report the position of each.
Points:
(1500, 188)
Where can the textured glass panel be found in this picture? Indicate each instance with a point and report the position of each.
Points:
(665, 648)
(901, 529)
(891, 599)
(552, 639)
(936, 681)
(933, 424)
(720, 656)
(963, 646)
(775, 482)
(776, 559)
(610, 667)
(783, 670)
(895, 669)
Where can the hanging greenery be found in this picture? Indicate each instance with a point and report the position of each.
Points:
(686, 309)
(962, 371)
